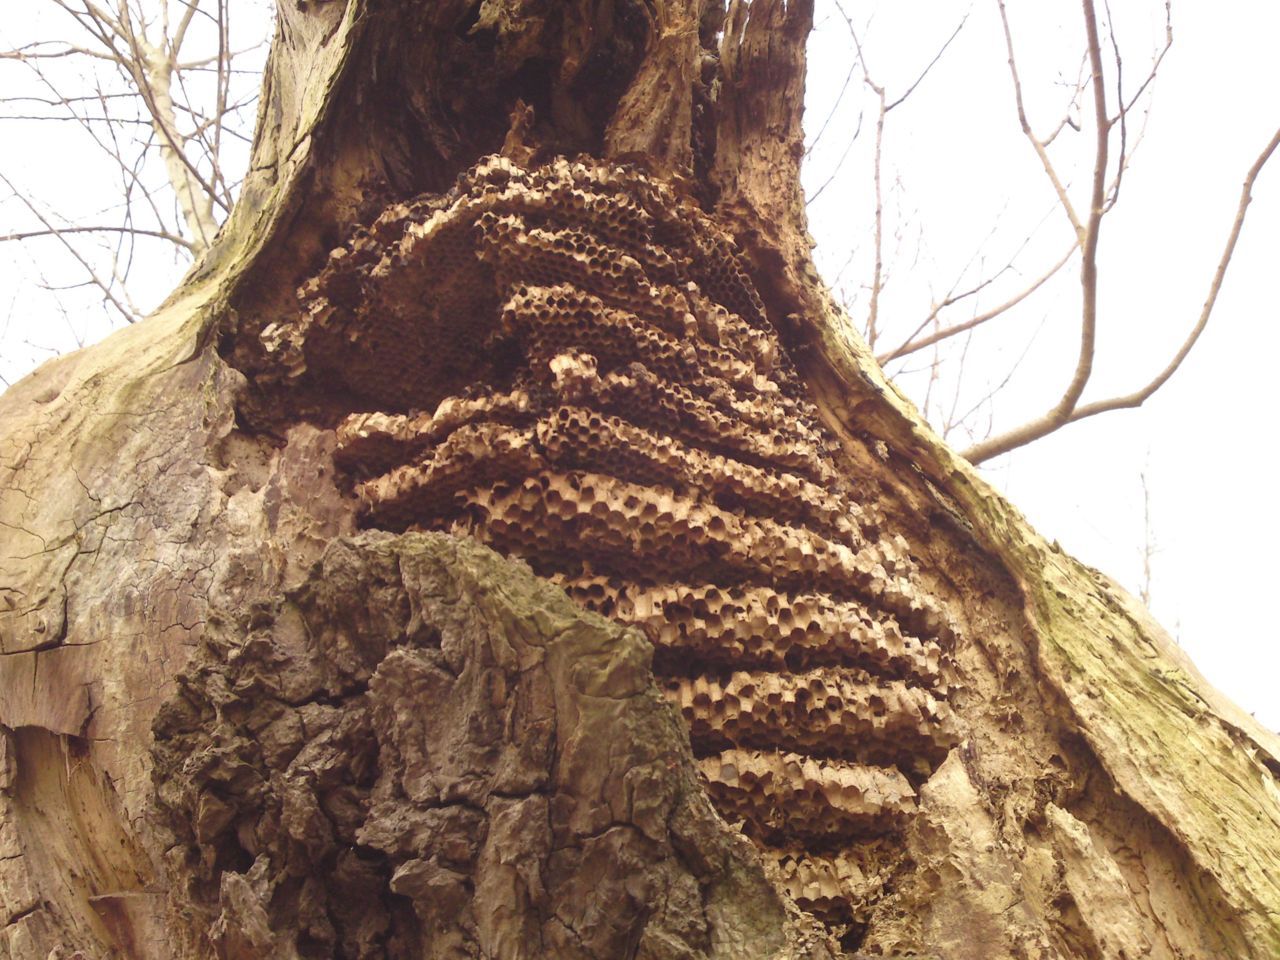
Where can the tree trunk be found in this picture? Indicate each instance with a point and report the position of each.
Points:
(580, 325)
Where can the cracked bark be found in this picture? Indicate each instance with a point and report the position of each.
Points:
(234, 726)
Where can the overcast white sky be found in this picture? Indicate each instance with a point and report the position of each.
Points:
(960, 180)
(956, 164)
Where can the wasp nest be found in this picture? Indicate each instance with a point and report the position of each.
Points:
(572, 364)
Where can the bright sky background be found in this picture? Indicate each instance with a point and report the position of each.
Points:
(45, 306)
(956, 161)
(959, 180)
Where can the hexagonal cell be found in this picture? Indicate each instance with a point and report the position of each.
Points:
(784, 796)
(833, 712)
(609, 399)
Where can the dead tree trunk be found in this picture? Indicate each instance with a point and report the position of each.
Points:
(537, 275)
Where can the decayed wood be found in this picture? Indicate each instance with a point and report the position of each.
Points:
(173, 544)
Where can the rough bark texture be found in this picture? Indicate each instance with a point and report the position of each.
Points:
(407, 757)
(612, 403)
(234, 726)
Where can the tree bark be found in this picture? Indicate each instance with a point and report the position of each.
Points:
(233, 725)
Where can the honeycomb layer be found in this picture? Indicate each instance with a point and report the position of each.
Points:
(838, 885)
(760, 627)
(372, 443)
(790, 795)
(828, 712)
(572, 364)
(754, 433)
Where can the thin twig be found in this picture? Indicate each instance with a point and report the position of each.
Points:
(132, 231)
(94, 279)
(911, 346)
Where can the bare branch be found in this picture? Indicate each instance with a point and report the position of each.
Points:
(132, 231)
(1149, 548)
(871, 328)
(951, 422)
(1067, 119)
(1005, 443)
(30, 51)
(151, 72)
(932, 63)
(986, 399)
(839, 163)
(1061, 412)
(1155, 66)
(877, 274)
(1138, 397)
(1038, 144)
(180, 35)
(1089, 246)
(1124, 107)
(107, 293)
(844, 88)
(911, 346)
(167, 88)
